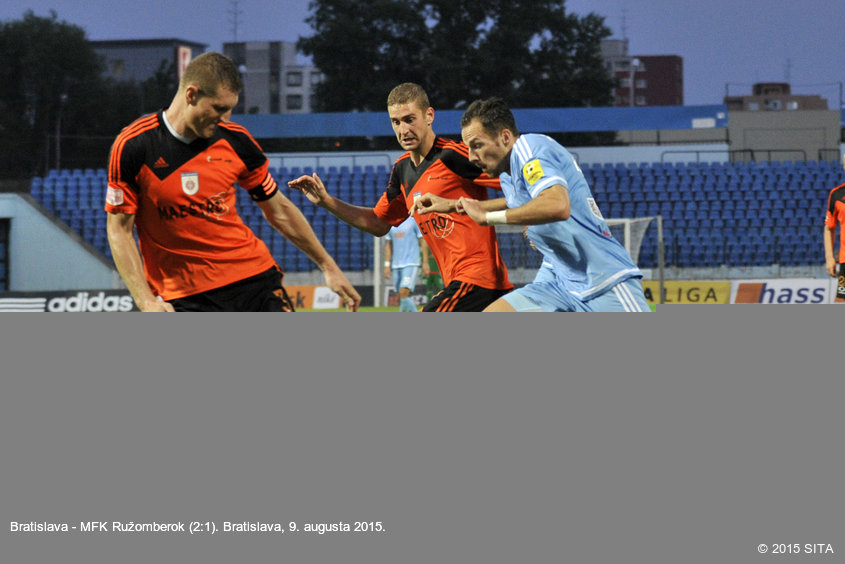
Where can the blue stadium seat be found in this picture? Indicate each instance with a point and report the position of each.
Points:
(714, 207)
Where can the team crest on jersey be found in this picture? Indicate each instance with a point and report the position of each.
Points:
(190, 183)
(532, 172)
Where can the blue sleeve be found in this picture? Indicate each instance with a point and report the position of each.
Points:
(540, 168)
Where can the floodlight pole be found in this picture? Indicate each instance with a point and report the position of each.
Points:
(62, 102)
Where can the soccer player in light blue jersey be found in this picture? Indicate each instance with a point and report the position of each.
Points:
(403, 248)
(584, 268)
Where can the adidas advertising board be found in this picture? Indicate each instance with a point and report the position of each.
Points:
(73, 301)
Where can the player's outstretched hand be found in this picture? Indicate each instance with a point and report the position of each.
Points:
(430, 203)
(473, 209)
(312, 186)
(340, 285)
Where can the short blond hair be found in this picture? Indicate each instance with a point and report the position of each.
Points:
(408, 93)
(209, 72)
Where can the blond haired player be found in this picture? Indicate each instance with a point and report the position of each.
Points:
(835, 214)
(173, 178)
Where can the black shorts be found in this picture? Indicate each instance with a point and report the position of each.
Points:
(840, 288)
(463, 296)
(262, 292)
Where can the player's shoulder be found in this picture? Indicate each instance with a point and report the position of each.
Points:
(835, 196)
(242, 143)
(537, 143)
(531, 146)
(455, 156)
(402, 159)
(140, 126)
(450, 146)
(133, 143)
(236, 131)
(402, 167)
(838, 193)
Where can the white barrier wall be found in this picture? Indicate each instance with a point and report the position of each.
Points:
(43, 256)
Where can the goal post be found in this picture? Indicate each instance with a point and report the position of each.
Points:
(523, 261)
(633, 235)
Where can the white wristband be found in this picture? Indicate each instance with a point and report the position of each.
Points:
(387, 263)
(497, 217)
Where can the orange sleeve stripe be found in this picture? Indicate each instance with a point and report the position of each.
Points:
(131, 131)
(456, 146)
(269, 184)
(231, 126)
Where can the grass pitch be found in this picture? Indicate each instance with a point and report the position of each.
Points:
(396, 309)
(367, 309)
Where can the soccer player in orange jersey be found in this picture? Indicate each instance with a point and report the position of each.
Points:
(467, 254)
(173, 178)
(835, 214)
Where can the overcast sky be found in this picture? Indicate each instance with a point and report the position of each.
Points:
(726, 45)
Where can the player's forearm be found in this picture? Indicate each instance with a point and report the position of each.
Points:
(359, 217)
(551, 205)
(128, 262)
(388, 254)
(828, 243)
(494, 205)
(288, 220)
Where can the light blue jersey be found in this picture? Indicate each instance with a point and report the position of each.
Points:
(405, 259)
(405, 239)
(581, 252)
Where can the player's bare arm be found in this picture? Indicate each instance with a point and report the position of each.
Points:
(288, 220)
(431, 203)
(340, 285)
(424, 252)
(552, 204)
(127, 259)
(829, 259)
(359, 217)
(388, 254)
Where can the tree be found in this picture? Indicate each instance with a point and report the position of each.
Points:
(530, 52)
(158, 90)
(51, 82)
(362, 48)
(49, 79)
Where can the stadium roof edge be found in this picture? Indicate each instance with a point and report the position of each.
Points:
(447, 122)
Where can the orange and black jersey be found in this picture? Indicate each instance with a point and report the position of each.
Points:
(183, 198)
(464, 250)
(836, 213)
